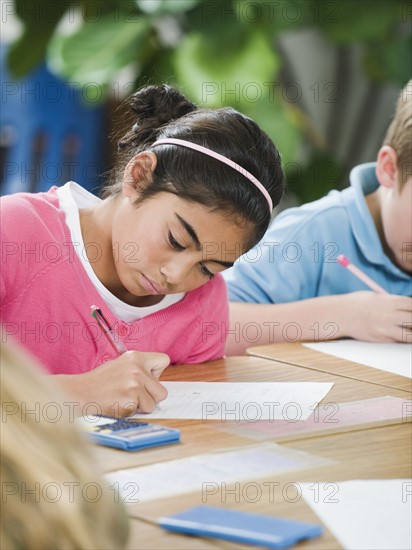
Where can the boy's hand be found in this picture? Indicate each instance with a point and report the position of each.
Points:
(376, 317)
(123, 386)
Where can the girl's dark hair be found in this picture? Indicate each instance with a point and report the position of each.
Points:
(163, 112)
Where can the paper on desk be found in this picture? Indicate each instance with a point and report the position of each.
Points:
(368, 514)
(395, 358)
(241, 401)
(332, 417)
(206, 473)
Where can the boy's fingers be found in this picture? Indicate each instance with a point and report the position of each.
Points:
(405, 303)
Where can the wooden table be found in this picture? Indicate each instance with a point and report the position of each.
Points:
(360, 452)
(298, 354)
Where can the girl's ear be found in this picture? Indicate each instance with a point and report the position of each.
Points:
(138, 172)
(386, 167)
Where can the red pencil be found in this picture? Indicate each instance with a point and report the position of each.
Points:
(108, 331)
(343, 261)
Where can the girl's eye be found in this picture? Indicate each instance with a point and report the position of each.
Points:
(206, 272)
(177, 246)
(174, 243)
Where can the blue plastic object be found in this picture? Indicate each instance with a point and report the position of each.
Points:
(49, 134)
(241, 527)
(128, 434)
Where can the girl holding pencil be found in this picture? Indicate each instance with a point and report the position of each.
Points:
(194, 189)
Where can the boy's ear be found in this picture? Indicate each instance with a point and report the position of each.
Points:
(387, 167)
(138, 172)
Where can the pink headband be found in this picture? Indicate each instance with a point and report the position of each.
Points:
(225, 160)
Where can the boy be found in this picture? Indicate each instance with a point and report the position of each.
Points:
(290, 286)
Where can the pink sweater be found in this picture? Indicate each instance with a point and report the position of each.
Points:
(46, 296)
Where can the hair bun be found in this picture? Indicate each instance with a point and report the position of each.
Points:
(154, 106)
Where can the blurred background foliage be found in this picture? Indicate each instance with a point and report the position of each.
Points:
(249, 55)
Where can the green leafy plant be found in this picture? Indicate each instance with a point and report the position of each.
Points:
(219, 52)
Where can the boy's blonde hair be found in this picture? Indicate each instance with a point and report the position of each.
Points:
(399, 134)
(52, 496)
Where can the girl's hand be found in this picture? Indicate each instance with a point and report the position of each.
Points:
(120, 387)
(376, 317)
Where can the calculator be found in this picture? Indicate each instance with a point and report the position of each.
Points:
(129, 434)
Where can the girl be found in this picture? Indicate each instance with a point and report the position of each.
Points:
(193, 191)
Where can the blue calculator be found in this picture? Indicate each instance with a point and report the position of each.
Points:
(129, 434)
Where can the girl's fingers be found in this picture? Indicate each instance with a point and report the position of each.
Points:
(150, 395)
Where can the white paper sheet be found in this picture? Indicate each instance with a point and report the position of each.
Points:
(395, 358)
(330, 417)
(241, 401)
(206, 473)
(371, 514)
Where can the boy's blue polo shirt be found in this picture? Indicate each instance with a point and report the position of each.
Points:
(297, 258)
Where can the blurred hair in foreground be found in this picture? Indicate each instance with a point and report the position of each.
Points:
(52, 493)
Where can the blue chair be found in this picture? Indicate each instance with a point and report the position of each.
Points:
(48, 133)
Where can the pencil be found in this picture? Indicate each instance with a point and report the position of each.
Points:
(345, 262)
(108, 331)
(111, 335)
